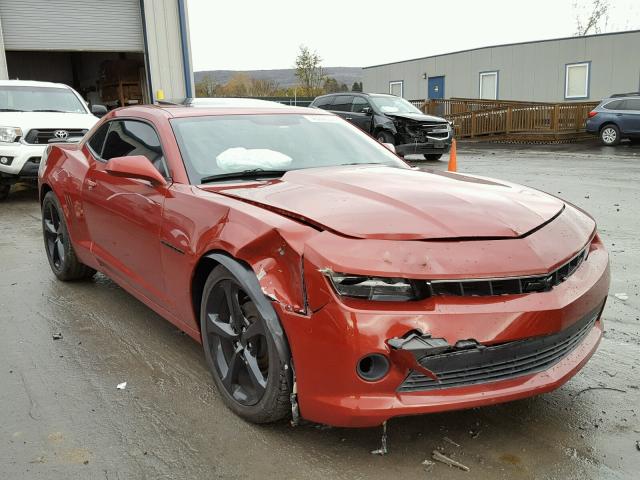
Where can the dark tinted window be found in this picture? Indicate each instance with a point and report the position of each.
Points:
(323, 102)
(615, 105)
(97, 140)
(129, 137)
(358, 104)
(632, 104)
(342, 103)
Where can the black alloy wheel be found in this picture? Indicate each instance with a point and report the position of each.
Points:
(237, 341)
(60, 253)
(54, 235)
(240, 351)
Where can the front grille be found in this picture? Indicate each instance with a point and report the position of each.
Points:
(439, 130)
(507, 285)
(37, 136)
(499, 362)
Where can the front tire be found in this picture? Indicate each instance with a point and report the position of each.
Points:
(385, 137)
(60, 253)
(610, 135)
(433, 156)
(241, 353)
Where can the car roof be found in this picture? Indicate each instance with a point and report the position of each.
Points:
(624, 95)
(32, 83)
(201, 107)
(358, 94)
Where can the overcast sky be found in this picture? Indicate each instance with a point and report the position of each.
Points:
(262, 34)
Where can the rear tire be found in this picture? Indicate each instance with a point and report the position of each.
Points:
(433, 156)
(610, 135)
(57, 243)
(241, 353)
(4, 192)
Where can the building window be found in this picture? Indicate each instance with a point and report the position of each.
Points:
(576, 80)
(489, 85)
(396, 88)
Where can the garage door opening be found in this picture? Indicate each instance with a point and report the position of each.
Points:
(113, 79)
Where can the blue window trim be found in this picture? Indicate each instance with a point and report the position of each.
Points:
(497, 72)
(184, 41)
(566, 77)
(401, 82)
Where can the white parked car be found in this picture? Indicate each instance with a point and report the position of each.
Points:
(33, 115)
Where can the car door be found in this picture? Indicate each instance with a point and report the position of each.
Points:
(124, 215)
(630, 119)
(361, 113)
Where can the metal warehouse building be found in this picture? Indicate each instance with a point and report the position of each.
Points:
(114, 52)
(565, 69)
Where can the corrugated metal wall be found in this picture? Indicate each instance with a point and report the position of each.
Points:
(164, 48)
(96, 25)
(531, 71)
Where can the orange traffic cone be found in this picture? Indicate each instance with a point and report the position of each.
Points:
(453, 164)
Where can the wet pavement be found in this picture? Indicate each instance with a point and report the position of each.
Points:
(61, 416)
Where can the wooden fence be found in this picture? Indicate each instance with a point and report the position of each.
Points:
(472, 118)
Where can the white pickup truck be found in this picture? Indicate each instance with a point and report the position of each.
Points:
(33, 115)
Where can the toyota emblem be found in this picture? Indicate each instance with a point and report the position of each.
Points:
(61, 134)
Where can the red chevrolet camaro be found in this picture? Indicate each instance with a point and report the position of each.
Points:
(324, 277)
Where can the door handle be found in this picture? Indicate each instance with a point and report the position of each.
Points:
(91, 184)
(349, 118)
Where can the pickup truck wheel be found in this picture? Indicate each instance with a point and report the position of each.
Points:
(433, 156)
(4, 192)
(60, 253)
(610, 135)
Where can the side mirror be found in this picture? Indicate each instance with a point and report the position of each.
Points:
(135, 166)
(367, 110)
(390, 146)
(99, 110)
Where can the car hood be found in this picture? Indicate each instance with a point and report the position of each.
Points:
(382, 202)
(417, 117)
(28, 120)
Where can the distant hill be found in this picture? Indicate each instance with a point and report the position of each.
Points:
(286, 76)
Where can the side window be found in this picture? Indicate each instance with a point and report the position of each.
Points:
(632, 104)
(615, 105)
(358, 104)
(130, 137)
(323, 102)
(342, 103)
(97, 140)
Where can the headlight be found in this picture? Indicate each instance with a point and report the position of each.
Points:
(373, 288)
(9, 134)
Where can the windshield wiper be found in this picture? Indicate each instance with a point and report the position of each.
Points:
(50, 110)
(10, 110)
(253, 173)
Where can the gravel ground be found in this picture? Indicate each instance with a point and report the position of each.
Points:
(61, 416)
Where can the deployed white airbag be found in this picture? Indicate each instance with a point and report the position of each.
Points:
(239, 158)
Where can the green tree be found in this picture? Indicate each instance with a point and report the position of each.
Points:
(309, 71)
(330, 85)
(356, 87)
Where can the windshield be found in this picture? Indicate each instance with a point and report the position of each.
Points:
(389, 104)
(38, 99)
(218, 145)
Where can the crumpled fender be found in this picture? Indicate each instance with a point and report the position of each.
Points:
(247, 277)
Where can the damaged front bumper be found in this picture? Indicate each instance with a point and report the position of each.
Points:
(444, 352)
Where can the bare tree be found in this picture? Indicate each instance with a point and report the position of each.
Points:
(589, 17)
(309, 71)
(207, 87)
